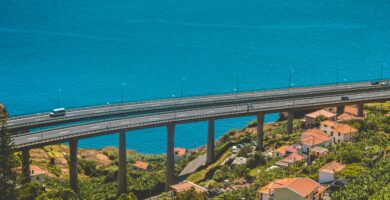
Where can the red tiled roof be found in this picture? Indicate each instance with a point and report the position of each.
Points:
(328, 123)
(322, 112)
(141, 165)
(292, 158)
(314, 137)
(344, 128)
(346, 117)
(302, 186)
(332, 167)
(34, 170)
(180, 187)
(180, 151)
(351, 110)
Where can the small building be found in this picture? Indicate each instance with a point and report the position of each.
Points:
(36, 174)
(240, 161)
(319, 151)
(291, 189)
(311, 117)
(314, 138)
(289, 160)
(184, 186)
(284, 150)
(180, 153)
(141, 165)
(326, 173)
(339, 132)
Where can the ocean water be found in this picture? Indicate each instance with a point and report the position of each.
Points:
(86, 49)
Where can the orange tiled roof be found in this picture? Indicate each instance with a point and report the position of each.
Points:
(180, 151)
(180, 187)
(332, 167)
(314, 137)
(351, 110)
(328, 123)
(141, 165)
(322, 112)
(388, 114)
(344, 128)
(34, 170)
(346, 117)
(282, 149)
(292, 158)
(302, 186)
(279, 183)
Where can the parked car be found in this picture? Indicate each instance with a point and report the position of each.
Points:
(375, 83)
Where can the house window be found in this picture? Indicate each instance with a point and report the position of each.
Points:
(334, 139)
(332, 127)
(331, 133)
(338, 140)
(325, 125)
(326, 131)
(339, 134)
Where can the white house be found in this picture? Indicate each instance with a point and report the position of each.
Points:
(36, 174)
(326, 173)
(338, 132)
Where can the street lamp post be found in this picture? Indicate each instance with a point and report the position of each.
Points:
(122, 85)
(182, 86)
(58, 97)
(174, 107)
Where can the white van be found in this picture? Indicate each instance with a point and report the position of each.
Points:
(234, 149)
(58, 112)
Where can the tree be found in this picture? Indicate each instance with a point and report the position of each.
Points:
(7, 160)
(29, 191)
(191, 194)
(318, 120)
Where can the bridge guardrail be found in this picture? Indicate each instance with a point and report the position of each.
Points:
(199, 118)
(200, 96)
(177, 105)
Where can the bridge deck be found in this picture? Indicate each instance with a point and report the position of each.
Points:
(119, 110)
(185, 116)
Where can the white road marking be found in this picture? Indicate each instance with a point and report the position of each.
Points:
(63, 132)
(94, 127)
(208, 112)
(156, 118)
(182, 115)
(37, 119)
(33, 138)
(124, 122)
(10, 124)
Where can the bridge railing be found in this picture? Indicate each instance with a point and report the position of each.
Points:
(209, 102)
(76, 108)
(113, 129)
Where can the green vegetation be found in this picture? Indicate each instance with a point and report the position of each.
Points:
(7, 160)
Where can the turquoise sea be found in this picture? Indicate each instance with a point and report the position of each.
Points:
(86, 49)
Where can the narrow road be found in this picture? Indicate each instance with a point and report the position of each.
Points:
(194, 165)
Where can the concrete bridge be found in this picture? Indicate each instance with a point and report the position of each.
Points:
(169, 112)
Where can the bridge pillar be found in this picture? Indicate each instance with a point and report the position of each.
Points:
(260, 131)
(360, 110)
(73, 173)
(290, 122)
(122, 167)
(170, 156)
(210, 142)
(340, 110)
(26, 166)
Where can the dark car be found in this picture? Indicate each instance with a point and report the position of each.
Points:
(375, 83)
(344, 98)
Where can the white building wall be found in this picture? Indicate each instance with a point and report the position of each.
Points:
(325, 177)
